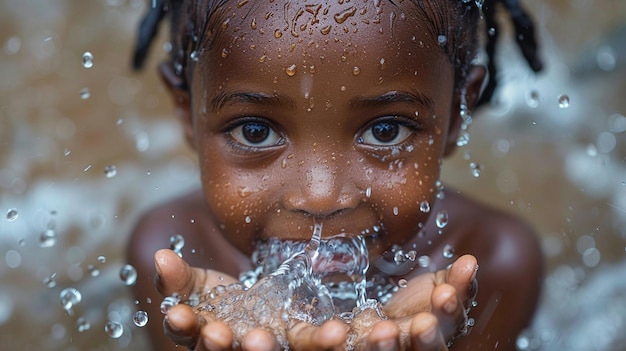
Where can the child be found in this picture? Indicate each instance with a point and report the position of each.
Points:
(340, 112)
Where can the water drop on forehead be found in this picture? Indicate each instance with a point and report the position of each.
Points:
(12, 214)
(87, 59)
(425, 206)
(442, 39)
(291, 70)
(114, 329)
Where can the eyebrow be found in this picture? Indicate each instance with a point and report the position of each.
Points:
(229, 97)
(389, 98)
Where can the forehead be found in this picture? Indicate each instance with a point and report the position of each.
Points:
(379, 41)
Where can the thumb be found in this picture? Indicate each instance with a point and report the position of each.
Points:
(174, 275)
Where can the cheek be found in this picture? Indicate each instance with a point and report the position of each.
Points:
(406, 188)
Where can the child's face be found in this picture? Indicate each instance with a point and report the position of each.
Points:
(298, 114)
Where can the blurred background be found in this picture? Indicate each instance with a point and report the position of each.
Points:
(86, 145)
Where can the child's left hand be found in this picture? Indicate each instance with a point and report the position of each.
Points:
(422, 316)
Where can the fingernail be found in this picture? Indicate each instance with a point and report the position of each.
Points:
(450, 305)
(428, 336)
(387, 345)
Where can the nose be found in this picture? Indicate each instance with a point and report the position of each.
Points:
(321, 191)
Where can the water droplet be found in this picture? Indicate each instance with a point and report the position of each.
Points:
(225, 53)
(140, 318)
(12, 215)
(402, 283)
(278, 33)
(128, 274)
(411, 255)
(425, 206)
(532, 99)
(102, 259)
(356, 70)
(291, 70)
(169, 302)
(368, 192)
(395, 211)
(84, 93)
(50, 281)
(442, 219)
(194, 56)
(177, 242)
(343, 88)
(475, 169)
(113, 329)
(110, 171)
(382, 63)
(606, 58)
(93, 271)
(342, 16)
(248, 219)
(70, 297)
(424, 261)
(563, 101)
(48, 238)
(87, 59)
(448, 251)
(463, 139)
(82, 324)
(491, 31)
(442, 39)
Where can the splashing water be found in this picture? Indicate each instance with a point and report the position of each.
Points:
(296, 282)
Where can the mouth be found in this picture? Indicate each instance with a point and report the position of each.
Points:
(339, 255)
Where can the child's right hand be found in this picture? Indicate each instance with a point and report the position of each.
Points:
(429, 311)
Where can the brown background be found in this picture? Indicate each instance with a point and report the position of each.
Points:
(538, 162)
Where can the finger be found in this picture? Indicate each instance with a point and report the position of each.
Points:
(182, 325)
(259, 339)
(215, 336)
(425, 333)
(449, 310)
(462, 276)
(384, 336)
(330, 335)
(174, 275)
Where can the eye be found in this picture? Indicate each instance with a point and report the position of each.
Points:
(386, 133)
(255, 134)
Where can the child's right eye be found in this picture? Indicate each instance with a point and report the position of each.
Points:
(255, 134)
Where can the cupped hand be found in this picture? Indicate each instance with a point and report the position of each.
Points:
(423, 316)
(426, 315)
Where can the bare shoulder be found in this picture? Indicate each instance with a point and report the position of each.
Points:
(501, 239)
(185, 216)
(510, 275)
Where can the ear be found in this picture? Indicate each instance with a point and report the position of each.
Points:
(469, 94)
(182, 100)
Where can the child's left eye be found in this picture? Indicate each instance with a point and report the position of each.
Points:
(386, 133)
(255, 134)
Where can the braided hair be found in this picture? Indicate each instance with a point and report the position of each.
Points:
(458, 20)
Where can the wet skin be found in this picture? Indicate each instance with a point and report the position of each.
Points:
(349, 128)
